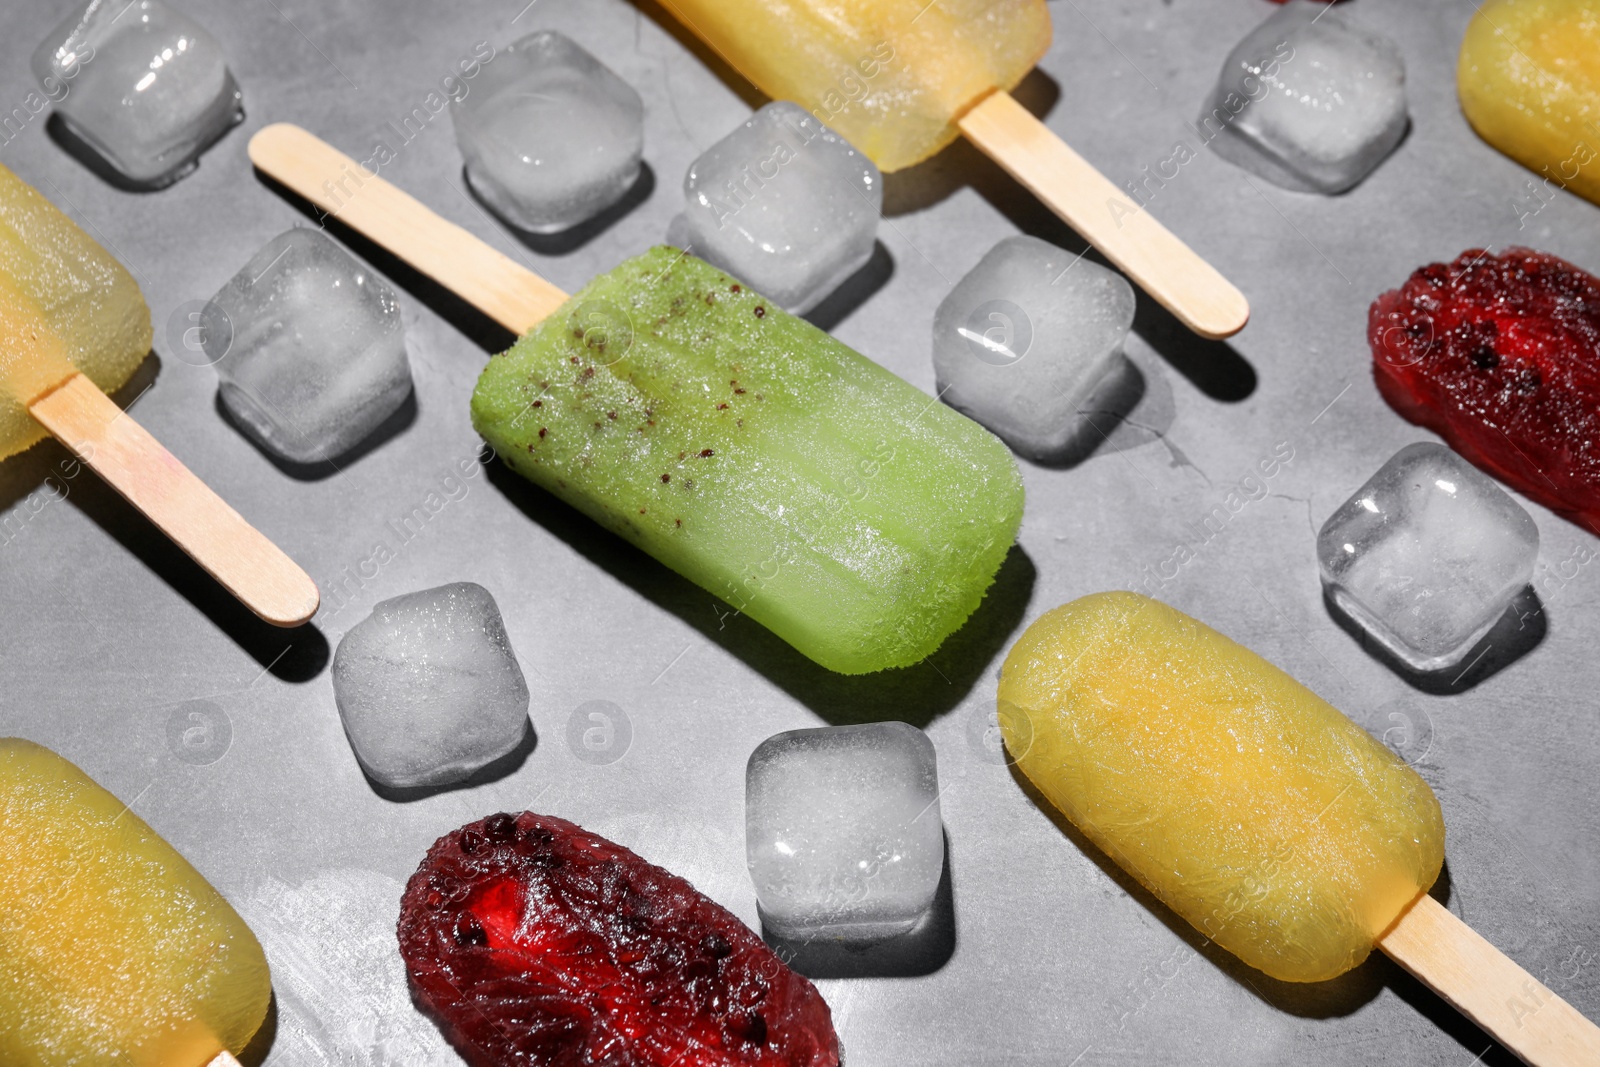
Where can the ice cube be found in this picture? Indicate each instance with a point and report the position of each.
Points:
(550, 135)
(1023, 341)
(784, 204)
(842, 830)
(308, 346)
(428, 687)
(1427, 555)
(1308, 101)
(141, 84)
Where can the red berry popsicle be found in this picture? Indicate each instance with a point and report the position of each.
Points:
(539, 943)
(1500, 356)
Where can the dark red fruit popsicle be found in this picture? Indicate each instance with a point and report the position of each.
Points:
(1500, 356)
(538, 943)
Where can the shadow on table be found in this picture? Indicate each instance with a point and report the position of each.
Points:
(1517, 632)
(260, 1047)
(296, 655)
(564, 242)
(493, 771)
(854, 291)
(922, 950)
(916, 695)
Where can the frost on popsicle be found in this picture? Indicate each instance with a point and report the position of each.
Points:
(1253, 808)
(892, 76)
(1529, 79)
(113, 949)
(848, 512)
(52, 272)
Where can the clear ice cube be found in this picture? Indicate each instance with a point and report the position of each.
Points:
(1023, 341)
(428, 687)
(309, 348)
(143, 85)
(842, 830)
(550, 135)
(1308, 101)
(784, 204)
(1427, 555)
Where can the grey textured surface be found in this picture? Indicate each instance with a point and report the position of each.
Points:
(119, 653)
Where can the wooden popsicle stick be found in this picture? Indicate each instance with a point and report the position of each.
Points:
(135, 464)
(491, 281)
(1128, 235)
(1507, 1002)
(224, 1059)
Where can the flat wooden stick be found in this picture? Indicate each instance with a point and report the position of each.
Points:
(224, 1059)
(491, 281)
(1449, 957)
(232, 551)
(1107, 217)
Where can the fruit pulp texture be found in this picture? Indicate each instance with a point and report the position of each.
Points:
(1276, 826)
(1529, 82)
(537, 942)
(848, 512)
(65, 304)
(113, 949)
(1500, 356)
(892, 76)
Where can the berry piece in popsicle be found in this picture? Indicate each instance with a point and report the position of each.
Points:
(892, 76)
(848, 512)
(113, 949)
(537, 942)
(1254, 809)
(1529, 82)
(1500, 356)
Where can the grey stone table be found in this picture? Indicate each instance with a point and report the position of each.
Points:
(222, 733)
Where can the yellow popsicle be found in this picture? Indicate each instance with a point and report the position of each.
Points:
(892, 76)
(113, 949)
(1529, 81)
(54, 274)
(1254, 809)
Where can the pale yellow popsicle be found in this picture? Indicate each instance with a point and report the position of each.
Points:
(113, 949)
(1253, 808)
(55, 275)
(892, 76)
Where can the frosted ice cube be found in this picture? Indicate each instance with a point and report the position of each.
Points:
(1427, 555)
(1308, 101)
(784, 204)
(1022, 342)
(550, 135)
(309, 347)
(428, 687)
(842, 830)
(143, 85)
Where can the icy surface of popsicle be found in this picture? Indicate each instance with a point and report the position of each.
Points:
(1250, 806)
(113, 949)
(1500, 356)
(848, 512)
(65, 303)
(1529, 81)
(892, 76)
